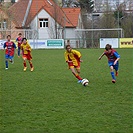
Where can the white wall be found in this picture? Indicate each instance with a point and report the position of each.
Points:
(47, 32)
(69, 33)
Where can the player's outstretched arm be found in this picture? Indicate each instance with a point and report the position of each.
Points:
(101, 56)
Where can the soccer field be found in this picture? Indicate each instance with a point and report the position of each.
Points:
(49, 99)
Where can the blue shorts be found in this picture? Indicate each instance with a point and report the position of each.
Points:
(116, 66)
(7, 56)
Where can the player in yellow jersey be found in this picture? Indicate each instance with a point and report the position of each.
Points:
(26, 53)
(73, 58)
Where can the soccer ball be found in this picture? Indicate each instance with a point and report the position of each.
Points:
(85, 82)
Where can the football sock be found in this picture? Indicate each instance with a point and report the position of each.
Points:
(113, 75)
(31, 64)
(24, 64)
(18, 52)
(77, 76)
(6, 63)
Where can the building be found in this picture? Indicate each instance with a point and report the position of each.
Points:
(44, 17)
(101, 5)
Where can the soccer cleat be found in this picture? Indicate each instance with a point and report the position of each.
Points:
(6, 68)
(116, 74)
(113, 81)
(79, 81)
(25, 69)
(12, 62)
(32, 69)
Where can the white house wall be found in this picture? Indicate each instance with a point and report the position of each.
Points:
(49, 32)
(70, 34)
(43, 33)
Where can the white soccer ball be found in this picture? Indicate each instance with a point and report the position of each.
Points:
(85, 82)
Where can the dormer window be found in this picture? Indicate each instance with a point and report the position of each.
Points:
(43, 22)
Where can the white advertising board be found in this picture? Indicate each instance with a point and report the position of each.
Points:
(39, 44)
(55, 43)
(50, 43)
(2, 43)
(112, 41)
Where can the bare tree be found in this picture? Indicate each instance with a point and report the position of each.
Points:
(55, 28)
(127, 25)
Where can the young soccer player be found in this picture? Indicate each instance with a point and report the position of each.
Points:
(113, 58)
(73, 58)
(26, 53)
(9, 47)
(19, 41)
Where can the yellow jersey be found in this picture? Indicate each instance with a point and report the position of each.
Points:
(73, 56)
(25, 48)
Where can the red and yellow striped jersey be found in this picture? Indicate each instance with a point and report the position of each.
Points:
(25, 48)
(73, 56)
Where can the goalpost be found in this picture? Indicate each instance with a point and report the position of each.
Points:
(90, 37)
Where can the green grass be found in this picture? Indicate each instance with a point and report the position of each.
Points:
(49, 100)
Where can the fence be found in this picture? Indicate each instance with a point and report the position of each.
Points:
(84, 38)
(28, 33)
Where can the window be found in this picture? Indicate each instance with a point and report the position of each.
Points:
(0, 25)
(3, 24)
(13, 1)
(43, 22)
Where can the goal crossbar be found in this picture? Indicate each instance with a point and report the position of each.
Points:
(113, 29)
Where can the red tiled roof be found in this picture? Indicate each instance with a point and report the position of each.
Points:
(64, 16)
(17, 12)
(52, 9)
(73, 15)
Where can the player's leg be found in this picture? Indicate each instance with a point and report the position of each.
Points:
(29, 58)
(75, 73)
(18, 51)
(24, 62)
(112, 74)
(6, 60)
(31, 65)
(78, 70)
(11, 59)
(112, 71)
(116, 67)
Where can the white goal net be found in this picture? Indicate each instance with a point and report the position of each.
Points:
(89, 38)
